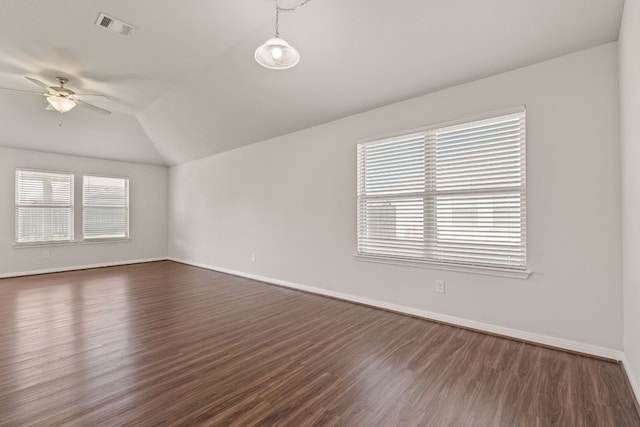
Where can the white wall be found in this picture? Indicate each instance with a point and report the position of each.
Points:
(148, 216)
(291, 201)
(630, 140)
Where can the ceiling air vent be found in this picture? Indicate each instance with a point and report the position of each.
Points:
(115, 25)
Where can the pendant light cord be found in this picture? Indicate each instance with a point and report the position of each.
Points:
(291, 9)
(277, 19)
(285, 9)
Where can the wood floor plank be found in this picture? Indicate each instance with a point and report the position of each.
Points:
(165, 344)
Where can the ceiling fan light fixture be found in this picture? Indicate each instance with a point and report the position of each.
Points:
(60, 103)
(277, 54)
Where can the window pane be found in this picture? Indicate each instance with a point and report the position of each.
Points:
(105, 207)
(392, 227)
(101, 222)
(44, 206)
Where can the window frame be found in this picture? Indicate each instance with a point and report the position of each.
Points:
(23, 244)
(504, 271)
(93, 240)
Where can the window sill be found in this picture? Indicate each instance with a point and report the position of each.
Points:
(43, 244)
(488, 271)
(106, 240)
(70, 243)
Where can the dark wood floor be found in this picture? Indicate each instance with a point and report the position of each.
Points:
(168, 344)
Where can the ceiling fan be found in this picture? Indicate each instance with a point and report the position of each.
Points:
(60, 98)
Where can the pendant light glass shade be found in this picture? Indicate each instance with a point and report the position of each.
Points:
(60, 103)
(277, 54)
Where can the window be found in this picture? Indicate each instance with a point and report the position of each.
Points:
(44, 206)
(451, 195)
(105, 207)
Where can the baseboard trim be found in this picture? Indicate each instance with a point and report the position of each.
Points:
(80, 267)
(633, 384)
(544, 340)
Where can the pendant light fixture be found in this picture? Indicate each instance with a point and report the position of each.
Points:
(276, 53)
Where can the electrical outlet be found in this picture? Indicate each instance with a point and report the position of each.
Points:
(440, 286)
(253, 257)
(46, 255)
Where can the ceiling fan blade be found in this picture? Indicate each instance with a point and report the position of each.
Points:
(91, 107)
(38, 82)
(91, 97)
(23, 91)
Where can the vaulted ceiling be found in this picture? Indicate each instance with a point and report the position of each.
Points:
(185, 85)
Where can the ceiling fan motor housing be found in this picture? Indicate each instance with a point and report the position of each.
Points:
(62, 91)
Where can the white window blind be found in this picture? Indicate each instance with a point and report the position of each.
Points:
(452, 195)
(105, 207)
(44, 206)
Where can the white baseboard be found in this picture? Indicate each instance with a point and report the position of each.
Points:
(458, 321)
(632, 378)
(79, 267)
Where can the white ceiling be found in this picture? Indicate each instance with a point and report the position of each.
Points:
(186, 85)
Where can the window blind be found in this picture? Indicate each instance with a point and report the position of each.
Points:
(453, 195)
(105, 207)
(44, 206)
